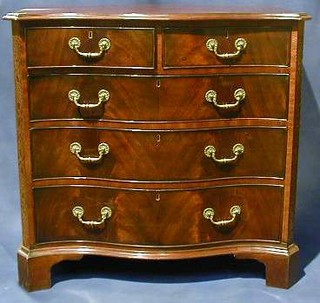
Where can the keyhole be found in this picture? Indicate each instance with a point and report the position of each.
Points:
(158, 197)
(158, 138)
(158, 83)
(90, 34)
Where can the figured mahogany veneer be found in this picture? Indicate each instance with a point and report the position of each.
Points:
(266, 46)
(170, 155)
(158, 98)
(158, 218)
(129, 47)
(131, 98)
(165, 98)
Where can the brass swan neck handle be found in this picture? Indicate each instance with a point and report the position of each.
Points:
(104, 45)
(74, 96)
(78, 212)
(235, 212)
(103, 149)
(240, 45)
(211, 96)
(210, 152)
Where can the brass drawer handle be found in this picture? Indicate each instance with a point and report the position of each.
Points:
(239, 95)
(78, 212)
(210, 152)
(104, 45)
(103, 149)
(74, 96)
(235, 212)
(240, 45)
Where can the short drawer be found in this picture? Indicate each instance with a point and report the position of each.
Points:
(93, 97)
(109, 47)
(158, 218)
(150, 155)
(145, 98)
(226, 46)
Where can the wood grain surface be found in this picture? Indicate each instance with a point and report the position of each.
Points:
(158, 98)
(150, 218)
(174, 155)
(265, 46)
(129, 47)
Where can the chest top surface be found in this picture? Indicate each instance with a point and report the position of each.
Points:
(162, 10)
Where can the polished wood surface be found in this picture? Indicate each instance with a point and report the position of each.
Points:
(265, 46)
(158, 98)
(156, 178)
(35, 273)
(152, 218)
(23, 135)
(183, 98)
(129, 47)
(204, 10)
(159, 156)
(130, 98)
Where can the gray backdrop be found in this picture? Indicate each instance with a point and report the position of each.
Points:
(105, 280)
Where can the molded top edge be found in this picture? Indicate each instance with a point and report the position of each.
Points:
(132, 11)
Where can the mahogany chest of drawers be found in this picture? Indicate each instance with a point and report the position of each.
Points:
(157, 133)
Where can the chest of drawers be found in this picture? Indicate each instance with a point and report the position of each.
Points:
(157, 133)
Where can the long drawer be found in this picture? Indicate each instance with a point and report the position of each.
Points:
(153, 218)
(152, 155)
(145, 98)
(91, 46)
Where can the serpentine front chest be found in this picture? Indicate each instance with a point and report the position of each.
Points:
(157, 133)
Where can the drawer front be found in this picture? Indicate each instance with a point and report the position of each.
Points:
(68, 97)
(218, 97)
(166, 218)
(139, 98)
(127, 47)
(174, 155)
(264, 46)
